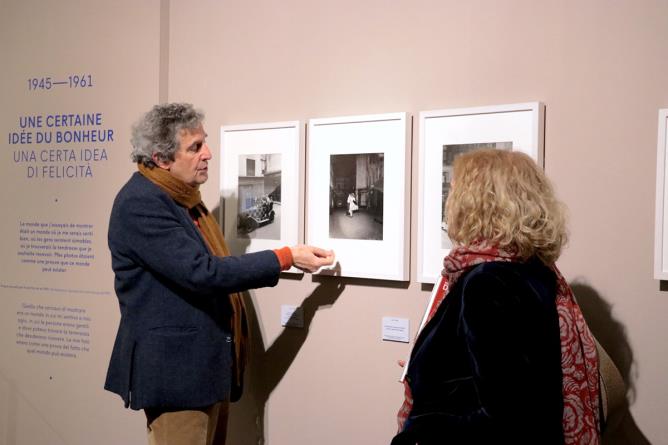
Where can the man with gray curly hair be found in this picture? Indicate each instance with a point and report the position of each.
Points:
(180, 350)
(157, 133)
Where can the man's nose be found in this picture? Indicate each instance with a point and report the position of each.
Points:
(206, 152)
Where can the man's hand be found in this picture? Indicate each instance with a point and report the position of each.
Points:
(310, 259)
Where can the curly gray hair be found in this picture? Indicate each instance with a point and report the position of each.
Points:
(157, 132)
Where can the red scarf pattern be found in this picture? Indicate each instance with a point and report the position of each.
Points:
(579, 359)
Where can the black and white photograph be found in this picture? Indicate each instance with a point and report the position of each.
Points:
(357, 191)
(259, 196)
(450, 152)
(259, 186)
(356, 196)
(444, 135)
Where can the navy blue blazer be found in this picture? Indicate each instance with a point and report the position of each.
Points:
(486, 369)
(174, 346)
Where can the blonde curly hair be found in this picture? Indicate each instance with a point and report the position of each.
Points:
(504, 198)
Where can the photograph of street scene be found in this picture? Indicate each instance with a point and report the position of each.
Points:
(259, 209)
(356, 196)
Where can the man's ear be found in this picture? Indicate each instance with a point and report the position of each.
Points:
(160, 162)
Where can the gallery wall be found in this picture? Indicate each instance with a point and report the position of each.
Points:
(598, 67)
(97, 66)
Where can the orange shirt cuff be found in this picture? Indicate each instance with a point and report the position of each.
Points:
(284, 257)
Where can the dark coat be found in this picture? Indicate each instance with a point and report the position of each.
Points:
(486, 369)
(174, 347)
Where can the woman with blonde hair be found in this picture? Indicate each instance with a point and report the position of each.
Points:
(505, 357)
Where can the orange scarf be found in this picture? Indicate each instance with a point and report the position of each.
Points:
(190, 198)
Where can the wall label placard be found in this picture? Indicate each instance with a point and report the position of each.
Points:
(395, 329)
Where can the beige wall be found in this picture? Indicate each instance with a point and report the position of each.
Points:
(55, 400)
(598, 66)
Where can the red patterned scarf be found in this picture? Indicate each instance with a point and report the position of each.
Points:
(579, 359)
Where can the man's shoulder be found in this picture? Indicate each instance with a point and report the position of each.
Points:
(137, 184)
(138, 193)
(138, 189)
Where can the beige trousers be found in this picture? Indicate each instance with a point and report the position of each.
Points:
(205, 426)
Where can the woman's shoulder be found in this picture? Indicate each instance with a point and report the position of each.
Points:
(532, 276)
(531, 267)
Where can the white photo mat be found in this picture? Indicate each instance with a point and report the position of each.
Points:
(661, 210)
(239, 142)
(385, 258)
(521, 124)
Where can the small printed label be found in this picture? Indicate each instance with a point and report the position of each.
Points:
(395, 329)
(292, 316)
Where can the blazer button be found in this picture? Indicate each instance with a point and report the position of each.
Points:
(228, 339)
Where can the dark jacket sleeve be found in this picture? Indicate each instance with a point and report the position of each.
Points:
(174, 342)
(158, 235)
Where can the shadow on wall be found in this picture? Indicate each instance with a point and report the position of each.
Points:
(611, 334)
(268, 365)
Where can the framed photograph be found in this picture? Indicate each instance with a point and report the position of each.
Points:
(259, 186)
(661, 212)
(357, 193)
(445, 134)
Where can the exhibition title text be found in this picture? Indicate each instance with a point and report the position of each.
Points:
(60, 146)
